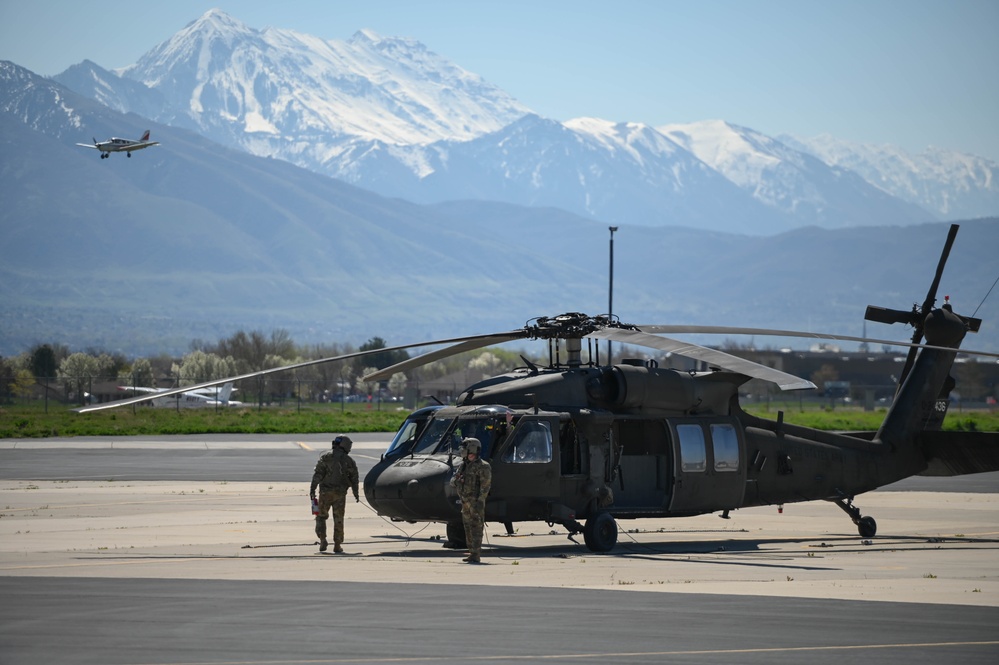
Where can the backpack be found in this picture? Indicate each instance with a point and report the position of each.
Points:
(337, 476)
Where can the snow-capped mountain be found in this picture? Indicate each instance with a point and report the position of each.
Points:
(389, 115)
(280, 93)
(285, 85)
(613, 172)
(192, 240)
(790, 180)
(951, 184)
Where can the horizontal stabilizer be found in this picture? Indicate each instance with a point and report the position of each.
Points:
(959, 453)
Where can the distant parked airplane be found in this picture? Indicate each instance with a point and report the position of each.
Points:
(203, 397)
(120, 145)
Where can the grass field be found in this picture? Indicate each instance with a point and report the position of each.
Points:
(33, 421)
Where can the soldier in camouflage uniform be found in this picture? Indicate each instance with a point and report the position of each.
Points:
(335, 474)
(473, 479)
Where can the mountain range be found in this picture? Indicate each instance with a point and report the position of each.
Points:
(389, 115)
(201, 236)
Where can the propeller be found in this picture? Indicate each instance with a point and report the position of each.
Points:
(574, 326)
(916, 317)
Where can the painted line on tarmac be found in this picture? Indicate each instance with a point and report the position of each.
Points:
(605, 655)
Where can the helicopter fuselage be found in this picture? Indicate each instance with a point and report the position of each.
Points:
(627, 441)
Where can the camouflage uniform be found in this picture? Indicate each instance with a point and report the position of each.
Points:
(335, 474)
(473, 480)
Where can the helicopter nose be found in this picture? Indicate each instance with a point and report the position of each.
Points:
(410, 489)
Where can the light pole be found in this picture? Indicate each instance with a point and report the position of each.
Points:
(610, 292)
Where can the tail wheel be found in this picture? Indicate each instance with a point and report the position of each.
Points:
(600, 533)
(867, 527)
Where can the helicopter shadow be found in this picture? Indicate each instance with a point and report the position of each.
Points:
(757, 552)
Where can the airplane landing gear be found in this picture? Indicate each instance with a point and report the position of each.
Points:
(128, 154)
(865, 524)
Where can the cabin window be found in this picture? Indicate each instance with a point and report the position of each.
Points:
(725, 442)
(532, 443)
(693, 452)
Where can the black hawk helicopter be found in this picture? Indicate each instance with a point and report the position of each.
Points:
(581, 445)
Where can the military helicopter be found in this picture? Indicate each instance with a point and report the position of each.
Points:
(581, 444)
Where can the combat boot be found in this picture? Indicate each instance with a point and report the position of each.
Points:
(323, 544)
(472, 558)
(337, 549)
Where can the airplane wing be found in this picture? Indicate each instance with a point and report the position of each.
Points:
(139, 389)
(139, 146)
(88, 145)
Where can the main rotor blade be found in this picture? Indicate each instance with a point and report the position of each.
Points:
(419, 361)
(718, 358)
(763, 332)
(284, 368)
(931, 295)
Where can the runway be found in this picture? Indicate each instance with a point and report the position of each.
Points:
(200, 550)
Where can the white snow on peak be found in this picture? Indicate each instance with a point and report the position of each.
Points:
(300, 87)
(929, 179)
(634, 138)
(367, 34)
(732, 150)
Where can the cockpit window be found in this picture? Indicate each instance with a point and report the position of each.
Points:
(431, 436)
(404, 436)
(532, 443)
(444, 436)
(487, 429)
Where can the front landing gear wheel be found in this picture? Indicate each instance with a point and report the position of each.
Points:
(600, 533)
(867, 527)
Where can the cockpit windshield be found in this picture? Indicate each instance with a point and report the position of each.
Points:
(409, 431)
(404, 436)
(444, 435)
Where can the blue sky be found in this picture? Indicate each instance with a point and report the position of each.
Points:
(912, 73)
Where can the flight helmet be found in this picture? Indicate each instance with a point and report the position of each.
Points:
(344, 442)
(471, 446)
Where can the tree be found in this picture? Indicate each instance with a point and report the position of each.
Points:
(397, 383)
(367, 387)
(251, 351)
(378, 360)
(6, 380)
(198, 366)
(486, 364)
(44, 362)
(79, 371)
(139, 374)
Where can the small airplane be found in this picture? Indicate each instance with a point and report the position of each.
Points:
(195, 398)
(115, 144)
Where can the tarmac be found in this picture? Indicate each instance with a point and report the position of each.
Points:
(132, 568)
(931, 547)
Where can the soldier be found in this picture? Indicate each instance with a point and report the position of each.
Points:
(335, 473)
(473, 480)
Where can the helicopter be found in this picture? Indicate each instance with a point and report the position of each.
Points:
(582, 444)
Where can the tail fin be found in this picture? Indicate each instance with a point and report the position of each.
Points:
(922, 398)
(145, 137)
(225, 393)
